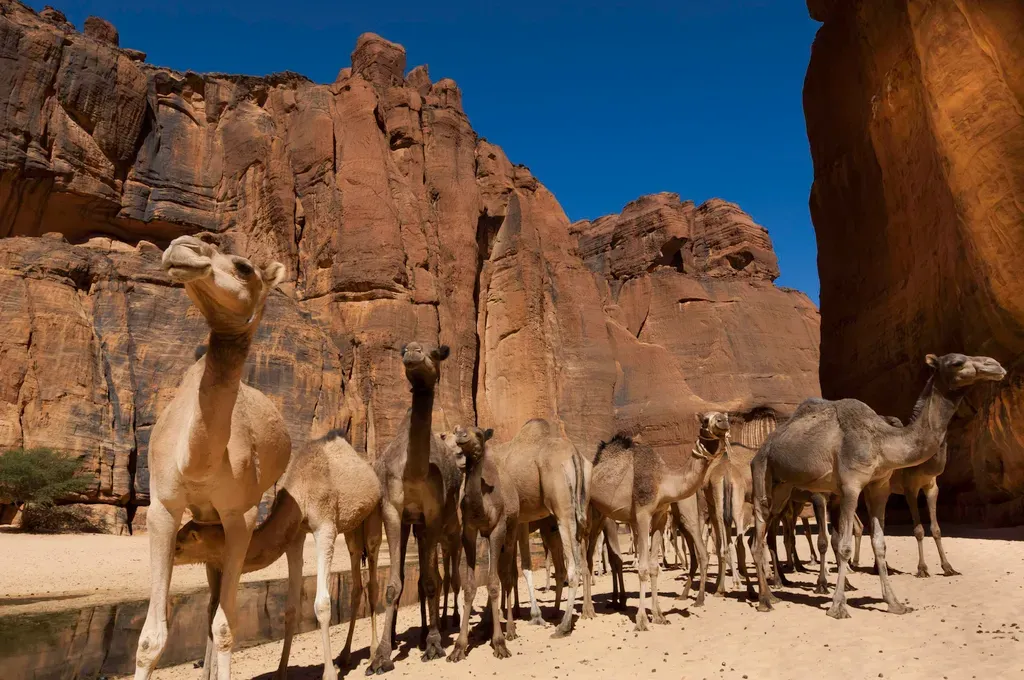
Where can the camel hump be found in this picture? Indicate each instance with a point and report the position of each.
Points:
(535, 428)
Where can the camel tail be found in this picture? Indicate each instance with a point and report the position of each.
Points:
(577, 478)
(760, 473)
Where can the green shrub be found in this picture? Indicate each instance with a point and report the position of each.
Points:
(40, 477)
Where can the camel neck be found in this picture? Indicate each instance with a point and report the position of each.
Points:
(420, 422)
(925, 436)
(682, 482)
(271, 538)
(221, 378)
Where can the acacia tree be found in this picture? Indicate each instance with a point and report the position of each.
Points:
(40, 476)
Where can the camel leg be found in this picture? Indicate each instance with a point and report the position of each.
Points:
(324, 540)
(237, 532)
(294, 600)
(810, 540)
(468, 569)
(690, 546)
(642, 534)
(773, 548)
(779, 497)
(718, 509)
(446, 582)
(393, 529)
(570, 558)
(210, 659)
(737, 510)
(372, 532)
(875, 497)
(596, 533)
(507, 563)
(494, 544)
(547, 569)
(355, 542)
(163, 528)
(858, 533)
(843, 536)
(915, 513)
(657, 544)
(693, 524)
(403, 550)
(527, 564)
(931, 494)
(427, 544)
(558, 566)
(821, 519)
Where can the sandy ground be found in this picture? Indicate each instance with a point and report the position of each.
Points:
(961, 627)
(44, 573)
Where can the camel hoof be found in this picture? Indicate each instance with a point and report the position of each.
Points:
(433, 651)
(659, 619)
(511, 634)
(500, 649)
(458, 653)
(640, 627)
(922, 572)
(344, 659)
(561, 632)
(764, 605)
(381, 664)
(773, 598)
(699, 602)
(588, 613)
(838, 612)
(950, 571)
(821, 589)
(536, 619)
(897, 608)
(849, 586)
(855, 563)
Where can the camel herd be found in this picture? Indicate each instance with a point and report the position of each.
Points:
(220, 444)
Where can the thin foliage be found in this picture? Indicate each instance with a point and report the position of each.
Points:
(40, 476)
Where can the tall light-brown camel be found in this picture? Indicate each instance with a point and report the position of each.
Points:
(420, 482)
(552, 479)
(844, 447)
(490, 507)
(217, 446)
(633, 485)
(328, 489)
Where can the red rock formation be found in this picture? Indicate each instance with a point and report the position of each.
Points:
(396, 223)
(914, 113)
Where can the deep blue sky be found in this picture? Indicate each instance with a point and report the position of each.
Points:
(603, 103)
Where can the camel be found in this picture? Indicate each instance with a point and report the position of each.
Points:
(643, 502)
(217, 446)
(490, 507)
(844, 447)
(327, 489)
(552, 480)
(729, 491)
(420, 482)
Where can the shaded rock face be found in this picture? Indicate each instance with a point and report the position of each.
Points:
(914, 115)
(396, 223)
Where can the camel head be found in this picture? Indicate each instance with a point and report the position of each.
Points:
(714, 424)
(423, 364)
(229, 290)
(956, 371)
(471, 441)
(448, 439)
(198, 543)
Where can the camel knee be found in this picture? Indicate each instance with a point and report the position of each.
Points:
(878, 543)
(430, 586)
(151, 645)
(223, 639)
(919, 532)
(936, 532)
(290, 615)
(322, 609)
(391, 594)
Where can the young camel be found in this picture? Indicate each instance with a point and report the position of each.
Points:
(490, 507)
(643, 503)
(217, 446)
(328, 489)
(552, 480)
(420, 484)
(844, 447)
(729, 491)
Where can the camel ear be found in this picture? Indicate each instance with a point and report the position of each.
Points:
(488, 433)
(932, 360)
(193, 535)
(699, 417)
(443, 352)
(273, 274)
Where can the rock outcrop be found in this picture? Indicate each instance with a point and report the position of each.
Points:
(915, 114)
(396, 222)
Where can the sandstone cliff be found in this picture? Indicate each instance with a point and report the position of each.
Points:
(915, 114)
(396, 222)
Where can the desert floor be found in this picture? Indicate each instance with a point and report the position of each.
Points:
(962, 627)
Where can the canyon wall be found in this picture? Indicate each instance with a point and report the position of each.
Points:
(396, 222)
(915, 115)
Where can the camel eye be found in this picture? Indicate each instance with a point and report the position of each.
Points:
(958, 362)
(243, 268)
